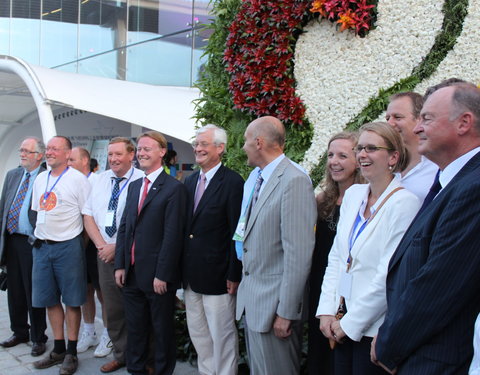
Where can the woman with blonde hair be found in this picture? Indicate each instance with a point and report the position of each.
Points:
(373, 219)
(341, 172)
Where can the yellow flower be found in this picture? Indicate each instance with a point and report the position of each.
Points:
(346, 20)
(318, 6)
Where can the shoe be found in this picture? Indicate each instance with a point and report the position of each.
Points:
(38, 348)
(86, 341)
(69, 365)
(105, 346)
(112, 366)
(13, 341)
(51, 360)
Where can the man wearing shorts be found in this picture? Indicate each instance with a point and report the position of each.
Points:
(58, 254)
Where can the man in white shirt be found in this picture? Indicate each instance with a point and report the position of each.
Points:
(58, 252)
(403, 113)
(80, 160)
(102, 214)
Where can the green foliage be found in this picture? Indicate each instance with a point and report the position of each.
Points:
(455, 12)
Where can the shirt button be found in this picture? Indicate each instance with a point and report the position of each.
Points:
(246, 273)
(191, 236)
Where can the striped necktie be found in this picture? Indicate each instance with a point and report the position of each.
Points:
(14, 212)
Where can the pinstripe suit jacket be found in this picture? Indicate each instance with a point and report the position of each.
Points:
(433, 285)
(278, 246)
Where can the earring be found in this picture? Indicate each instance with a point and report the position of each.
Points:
(390, 167)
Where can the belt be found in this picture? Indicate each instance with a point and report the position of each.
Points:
(38, 242)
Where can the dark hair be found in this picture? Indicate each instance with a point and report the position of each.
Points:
(415, 98)
(93, 164)
(445, 83)
(169, 155)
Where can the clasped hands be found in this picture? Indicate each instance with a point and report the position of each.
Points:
(331, 329)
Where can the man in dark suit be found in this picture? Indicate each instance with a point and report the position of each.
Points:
(211, 269)
(433, 284)
(147, 257)
(17, 222)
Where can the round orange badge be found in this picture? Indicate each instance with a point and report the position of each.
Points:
(49, 203)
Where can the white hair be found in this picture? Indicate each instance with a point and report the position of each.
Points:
(219, 134)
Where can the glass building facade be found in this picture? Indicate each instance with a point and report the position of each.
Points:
(150, 41)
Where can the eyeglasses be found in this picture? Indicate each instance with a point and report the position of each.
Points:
(23, 151)
(369, 148)
(195, 144)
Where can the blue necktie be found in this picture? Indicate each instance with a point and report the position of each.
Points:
(434, 189)
(112, 206)
(14, 212)
(256, 193)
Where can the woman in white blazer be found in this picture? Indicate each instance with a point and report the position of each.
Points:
(373, 219)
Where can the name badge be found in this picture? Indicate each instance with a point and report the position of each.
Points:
(109, 218)
(41, 216)
(345, 287)
(240, 231)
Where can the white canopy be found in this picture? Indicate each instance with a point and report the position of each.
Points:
(26, 89)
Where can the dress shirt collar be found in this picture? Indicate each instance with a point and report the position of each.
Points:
(209, 175)
(153, 176)
(268, 170)
(454, 167)
(33, 173)
(129, 173)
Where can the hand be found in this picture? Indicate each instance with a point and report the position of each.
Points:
(326, 326)
(106, 252)
(120, 277)
(373, 357)
(338, 333)
(232, 287)
(159, 286)
(282, 327)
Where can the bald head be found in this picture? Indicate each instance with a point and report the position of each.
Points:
(264, 141)
(80, 160)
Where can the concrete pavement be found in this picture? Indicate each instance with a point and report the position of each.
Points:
(18, 361)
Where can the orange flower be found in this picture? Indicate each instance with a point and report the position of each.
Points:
(346, 20)
(319, 6)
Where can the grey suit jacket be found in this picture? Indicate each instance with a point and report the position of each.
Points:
(10, 187)
(278, 246)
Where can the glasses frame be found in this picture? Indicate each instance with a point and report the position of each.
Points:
(369, 149)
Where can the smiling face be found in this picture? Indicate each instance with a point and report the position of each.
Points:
(375, 165)
(341, 161)
(400, 117)
(119, 159)
(437, 133)
(207, 153)
(149, 154)
(30, 158)
(57, 153)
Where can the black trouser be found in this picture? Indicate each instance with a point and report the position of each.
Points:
(19, 271)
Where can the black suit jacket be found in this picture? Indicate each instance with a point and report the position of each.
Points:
(158, 232)
(10, 187)
(433, 284)
(209, 258)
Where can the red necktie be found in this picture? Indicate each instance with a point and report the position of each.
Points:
(140, 206)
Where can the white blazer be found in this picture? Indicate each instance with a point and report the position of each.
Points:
(371, 253)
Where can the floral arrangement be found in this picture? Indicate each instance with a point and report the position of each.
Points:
(348, 14)
(259, 58)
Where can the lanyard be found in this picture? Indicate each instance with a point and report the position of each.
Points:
(47, 194)
(123, 187)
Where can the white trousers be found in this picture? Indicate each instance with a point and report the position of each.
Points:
(211, 325)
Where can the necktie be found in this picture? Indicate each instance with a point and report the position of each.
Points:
(140, 206)
(112, 206)
(14, 212)
(256, 192)
(434, 189)
(200, 190)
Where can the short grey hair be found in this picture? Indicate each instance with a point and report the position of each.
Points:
(39, 145)
(219, 134)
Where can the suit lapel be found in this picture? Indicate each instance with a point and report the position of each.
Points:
(156, 187)
(210, 191)
(272, 183)
(17, 178)
(434, 206)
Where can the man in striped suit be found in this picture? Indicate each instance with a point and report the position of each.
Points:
(278, 234)
(433, 284)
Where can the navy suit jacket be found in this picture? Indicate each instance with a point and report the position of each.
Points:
(433, 284)
(158, 232)
(209, 257)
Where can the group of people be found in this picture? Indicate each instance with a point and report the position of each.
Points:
(383, 262)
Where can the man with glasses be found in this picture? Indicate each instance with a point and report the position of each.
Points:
(17, 222)
(58, 252)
